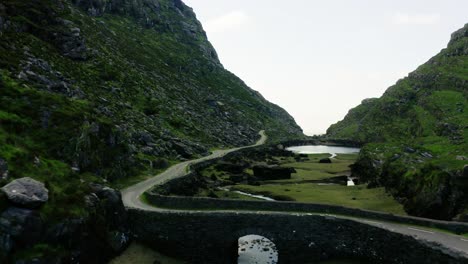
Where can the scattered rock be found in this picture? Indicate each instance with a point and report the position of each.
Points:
(234, 168)
(40, 72)
(3, 169)
(395, 157)
(26, 192)
(325, 160)
(37, 161)
(183, 150)
(72, 44)
(427, 155)
(461, 158)
(410, 150)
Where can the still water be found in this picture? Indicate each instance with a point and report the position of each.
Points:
(316, 149)
(257, 249)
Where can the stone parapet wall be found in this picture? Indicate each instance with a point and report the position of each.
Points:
(199, 203)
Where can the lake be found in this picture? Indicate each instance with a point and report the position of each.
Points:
(317, 149)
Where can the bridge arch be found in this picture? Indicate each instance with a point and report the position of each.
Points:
(256, 231)
(256, 249)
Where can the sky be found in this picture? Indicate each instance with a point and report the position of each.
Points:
(317, 59)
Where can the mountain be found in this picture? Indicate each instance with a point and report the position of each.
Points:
(108, 91)
(417, 135)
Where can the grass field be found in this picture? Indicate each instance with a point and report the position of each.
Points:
(353, 196)
(305, 185)
(297, 188)
(340, 164)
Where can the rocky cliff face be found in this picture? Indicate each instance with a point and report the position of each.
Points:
(153, 14)
(417, 134)
(106, 90)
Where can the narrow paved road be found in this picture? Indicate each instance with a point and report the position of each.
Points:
(131, 195)
(454, 242)
(131, 199)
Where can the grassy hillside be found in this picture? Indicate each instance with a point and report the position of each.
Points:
(142, 69)
(418, 134)
(114, 88)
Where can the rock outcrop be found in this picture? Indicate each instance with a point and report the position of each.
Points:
(26, 192)
(94, 237)
(19, 228)
(149, 14)
(273, 172)
(108, 218)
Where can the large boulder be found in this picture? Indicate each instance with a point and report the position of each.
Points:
(183, 186)
(26, 192)
(109, 218)
(109, 204)
(182, 149)
(325, 160)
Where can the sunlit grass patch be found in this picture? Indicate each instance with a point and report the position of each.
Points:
(356, 197)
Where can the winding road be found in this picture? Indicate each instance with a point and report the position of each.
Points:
(131, 195)
(131, 199)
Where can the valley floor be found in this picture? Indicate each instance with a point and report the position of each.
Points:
(313, 182)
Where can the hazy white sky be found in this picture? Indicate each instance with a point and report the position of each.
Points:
(317, 59)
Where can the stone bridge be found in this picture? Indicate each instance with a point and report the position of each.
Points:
(212, 237)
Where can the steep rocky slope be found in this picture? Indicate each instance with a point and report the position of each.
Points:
(102, 91)
(418, 134)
